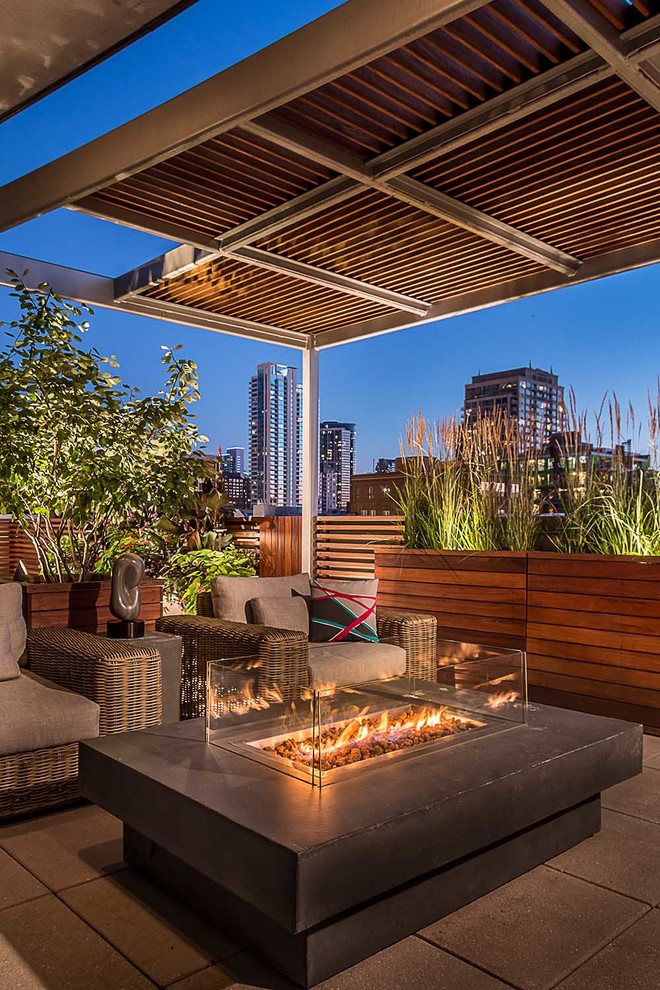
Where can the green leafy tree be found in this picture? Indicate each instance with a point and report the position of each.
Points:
(82, 453)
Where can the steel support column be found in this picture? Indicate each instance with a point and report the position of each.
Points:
(310, 456)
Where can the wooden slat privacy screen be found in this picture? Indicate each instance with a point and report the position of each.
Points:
(345, 545)
(15, 546)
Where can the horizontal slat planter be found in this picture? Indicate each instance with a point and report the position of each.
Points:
(84, 606)
(476, 597)
(593, 634)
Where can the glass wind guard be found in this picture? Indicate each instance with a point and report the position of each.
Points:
(326, 735)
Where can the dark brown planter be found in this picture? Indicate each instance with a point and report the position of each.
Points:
(476, 597)
(84, 606)
(593, 634)
(590, 624)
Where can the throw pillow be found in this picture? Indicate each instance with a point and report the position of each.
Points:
(344, 611)
(232, 595)
(12, 630)
(281, 613)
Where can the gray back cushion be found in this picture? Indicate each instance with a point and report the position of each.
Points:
(12, 630)
(287, 612)
(232, 595)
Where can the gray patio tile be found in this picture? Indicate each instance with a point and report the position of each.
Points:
(631, 961)
(16, 884)
(652, 751)
(624, 856)
(66, 847)
(639, 796)
(161, 936)
(534, 931)
(409, 965)
(44, 946)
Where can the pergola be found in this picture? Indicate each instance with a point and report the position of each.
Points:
(390, 164)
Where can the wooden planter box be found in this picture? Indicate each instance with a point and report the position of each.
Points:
(84, 606)
(590, 624)
(476, 597)
(593, 634)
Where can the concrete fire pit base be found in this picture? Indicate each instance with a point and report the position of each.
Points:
(315, 881)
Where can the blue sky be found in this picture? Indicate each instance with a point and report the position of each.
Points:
(605, 335)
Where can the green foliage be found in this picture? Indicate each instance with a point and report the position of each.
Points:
(474, 486)
(613, 511)
(198, 520)
(466, 487)
(81, 453)
(190, 572)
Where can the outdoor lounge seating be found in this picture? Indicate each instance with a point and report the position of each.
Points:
(70, 686)
(287, 657)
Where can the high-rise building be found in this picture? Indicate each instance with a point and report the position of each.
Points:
(337, 465)
(276, 435)
(233, 461)
(530, 397)
(237, 488)
(385, 465)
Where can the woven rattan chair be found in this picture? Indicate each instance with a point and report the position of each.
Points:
(122, 679)
(282, 654)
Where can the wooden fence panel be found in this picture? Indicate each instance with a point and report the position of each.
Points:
(280, 546)
(345, 546)
(15, 547)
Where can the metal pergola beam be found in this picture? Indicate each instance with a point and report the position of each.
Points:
(99, 290)
(400, 187)
(339, 42)
(602, 266)
(185, 258)
(438, 204)
(590, 25)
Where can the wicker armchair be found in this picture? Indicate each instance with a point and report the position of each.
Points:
(282, 653)
(122, 679)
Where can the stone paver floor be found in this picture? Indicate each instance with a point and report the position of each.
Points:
(73, 917)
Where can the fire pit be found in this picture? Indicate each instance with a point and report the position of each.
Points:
(321, 736)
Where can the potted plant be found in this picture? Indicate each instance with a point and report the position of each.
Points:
(83, 454)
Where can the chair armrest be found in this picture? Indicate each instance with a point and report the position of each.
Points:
(283, 654)
(123, 679)
(416, 633)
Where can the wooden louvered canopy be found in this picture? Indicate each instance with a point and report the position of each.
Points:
(383, 167)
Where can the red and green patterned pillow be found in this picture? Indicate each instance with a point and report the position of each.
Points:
(343, 611)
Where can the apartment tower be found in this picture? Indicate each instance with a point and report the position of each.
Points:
(276, 435)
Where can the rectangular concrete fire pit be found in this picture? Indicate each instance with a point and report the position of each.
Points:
(316, 879)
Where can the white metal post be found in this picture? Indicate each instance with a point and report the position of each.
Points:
(310, 453)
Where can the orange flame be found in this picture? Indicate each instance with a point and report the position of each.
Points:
(503, 698)
(388, 727)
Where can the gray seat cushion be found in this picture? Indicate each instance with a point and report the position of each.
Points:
(37, 714)
(353, 663)
(12, 629)
(232, 595)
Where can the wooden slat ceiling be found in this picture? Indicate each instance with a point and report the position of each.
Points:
(234, 289)
(582, 175)
(388, 243)
(219, 184)
(436, 77)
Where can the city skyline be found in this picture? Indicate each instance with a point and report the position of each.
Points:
(597, 336)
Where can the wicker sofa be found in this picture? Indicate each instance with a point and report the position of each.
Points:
(72, 685)
(283, 654)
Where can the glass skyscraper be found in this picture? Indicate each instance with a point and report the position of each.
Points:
(337, 465)
(276, 435)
